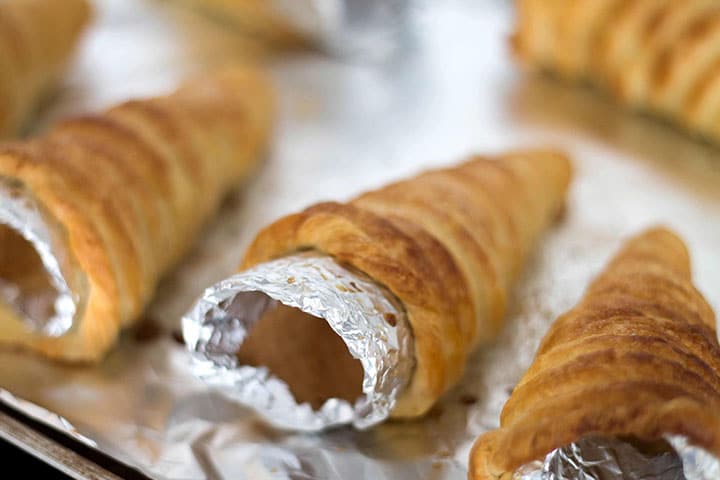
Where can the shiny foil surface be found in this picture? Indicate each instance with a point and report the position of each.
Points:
(442, 86)
(597, 458)
(52, 310)
(353, 305)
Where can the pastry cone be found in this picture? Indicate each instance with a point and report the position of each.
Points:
(638, 357)
(656, 55)
(447, 243)
(36, 39)
(125, 194)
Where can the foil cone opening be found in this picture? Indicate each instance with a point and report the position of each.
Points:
(305, 342)
(600, 458)
(36, 270)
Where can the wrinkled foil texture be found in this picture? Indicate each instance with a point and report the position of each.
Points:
(445, 87)
(354, 307)
(597, 458)
(19, 211)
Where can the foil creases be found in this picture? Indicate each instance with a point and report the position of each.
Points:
(599, 458)
(22, 213)
(353, 305)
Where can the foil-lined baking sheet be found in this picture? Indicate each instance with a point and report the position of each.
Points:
(437, 84)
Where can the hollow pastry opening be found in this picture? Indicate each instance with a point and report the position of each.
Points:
(34, 287)
(304, 341)
(672, 457)
(304, 352)
(25, 285)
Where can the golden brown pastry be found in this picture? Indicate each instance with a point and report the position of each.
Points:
(637, 357)
(656, 55)
(128, 191)
(447, 243)
(36, 40)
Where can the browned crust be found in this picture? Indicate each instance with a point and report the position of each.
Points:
(447, 243)
(638, 356)
(656, 55)
(36, 39)
(132, 187)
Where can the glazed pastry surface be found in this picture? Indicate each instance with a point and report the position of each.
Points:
(661, 56)
(37, 38)
(637, 358)
(447, 243)
(128, 191)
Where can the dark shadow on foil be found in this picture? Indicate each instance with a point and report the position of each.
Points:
(548, 102)
(436, 435)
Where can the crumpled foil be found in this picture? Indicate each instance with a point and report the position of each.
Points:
(21, 212)
(598, 458)
(447, 88)
(352, 304)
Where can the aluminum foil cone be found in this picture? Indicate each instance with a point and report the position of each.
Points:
(51, 310)
(598, 458)
(353, 305)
